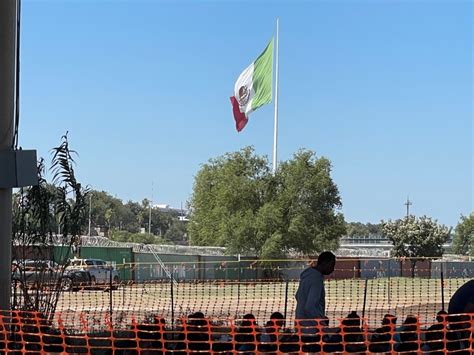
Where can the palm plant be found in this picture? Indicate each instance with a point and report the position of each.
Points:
(39, 213)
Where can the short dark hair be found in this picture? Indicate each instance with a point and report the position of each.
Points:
(326, 257)
(277, 315)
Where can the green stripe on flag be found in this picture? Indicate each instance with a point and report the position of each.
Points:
(263, 77)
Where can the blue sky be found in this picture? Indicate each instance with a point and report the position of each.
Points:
(383, 89)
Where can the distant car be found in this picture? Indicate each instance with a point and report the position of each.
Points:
(31, 273)
(98, 269)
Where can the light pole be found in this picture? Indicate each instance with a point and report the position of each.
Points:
(149, 219)
(90, 213)
(149, 213)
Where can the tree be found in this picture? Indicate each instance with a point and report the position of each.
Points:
(108, 211)
(160, 220)
(463, 242)
(416, 238)
(130, 221)
(177, 233)
(228, 192)
(239, 203)
(357, 229)
(308, 200)
(141, 238)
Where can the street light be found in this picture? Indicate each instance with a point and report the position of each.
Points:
(90, 208)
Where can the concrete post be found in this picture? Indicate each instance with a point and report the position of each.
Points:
(8, 16)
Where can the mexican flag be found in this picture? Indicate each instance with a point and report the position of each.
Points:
(253, 88)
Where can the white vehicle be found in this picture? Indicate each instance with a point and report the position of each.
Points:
(98, 269)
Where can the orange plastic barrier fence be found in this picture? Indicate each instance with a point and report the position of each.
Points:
(26, 332)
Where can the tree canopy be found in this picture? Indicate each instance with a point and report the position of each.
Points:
(358, 229)
(239, 203)
(50, 206)
(415, 238)
(124, 220)
(142, 238)
(463, 242)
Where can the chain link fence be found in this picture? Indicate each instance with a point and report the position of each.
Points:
(231, 289)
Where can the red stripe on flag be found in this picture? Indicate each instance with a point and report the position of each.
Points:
(239, 117)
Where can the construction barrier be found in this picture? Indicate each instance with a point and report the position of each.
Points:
(30, 332)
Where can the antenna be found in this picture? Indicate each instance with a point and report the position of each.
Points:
(408, 203)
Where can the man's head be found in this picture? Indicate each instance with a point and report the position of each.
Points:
(277, 319)
(441, 316)
(326, 263)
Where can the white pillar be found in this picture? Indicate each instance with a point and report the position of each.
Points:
(8, 17)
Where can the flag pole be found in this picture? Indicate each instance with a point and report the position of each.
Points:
(275, 130)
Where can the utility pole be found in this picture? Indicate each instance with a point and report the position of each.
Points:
(149, 216)
(90, 213)
(408, 204)
(8, 40)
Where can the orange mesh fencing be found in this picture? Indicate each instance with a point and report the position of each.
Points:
(27, 332)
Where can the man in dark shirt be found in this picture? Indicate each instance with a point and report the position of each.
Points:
(463, 299)
(310, 297)
(459, 333)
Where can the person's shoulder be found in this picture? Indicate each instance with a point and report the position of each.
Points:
(467, 288)
(318, 275)
(470, 288)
